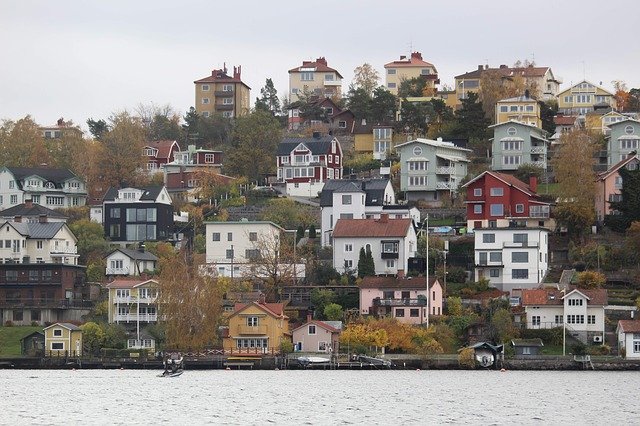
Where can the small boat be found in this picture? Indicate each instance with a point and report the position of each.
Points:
(306, 361)
(170, 374)
(173, 365)
(378, 362)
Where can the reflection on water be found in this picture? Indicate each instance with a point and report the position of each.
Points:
(317, 397)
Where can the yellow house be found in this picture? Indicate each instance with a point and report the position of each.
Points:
(222, 94)
(581, 98)
(407, 68)
(314, 78)
(62, 339)
(600, 119)
(257, 327)
(133, 302)
(522, 109)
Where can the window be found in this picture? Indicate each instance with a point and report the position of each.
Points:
(519, 257)
(519, 208)
(57, 346)
(342, 124)
(205, 101)
(39, 244)
(512, 146)
(521, 238)
(312, 329)
(33, 276)
(209, 158)
(391, 85)
(418, 165)
(628, 130)
(346, 199)
(205, 113)
(520, 274)
(348, 247)
(417, 150)
(229, 253)
(591, 319)
(253, 236)
(504, 108)
(306, 76)
(229, 236)
(477, 208)
(114, 213)
(216, 236)
(508, 160)
(252, 321)
(495, 256)
(535, 320)
(227, 101)
(488, 238)
(12, 184)
(391, 71)
(348, 264)
(512, 131)
(497, 210)
(575, 302)
(227, 114)
(558, 319)
(482, 258)
(418, 180)
(497, 192)
(477, 192)
(227, 88)
(494, 273)
(57, 332)
(399, 313)
(628, 144)
(390, 247)
(414, 313)
(14, 199)
(391, 263)
(205, 87)
(382, 133)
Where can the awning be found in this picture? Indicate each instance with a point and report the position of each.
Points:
(451, 158)
(629, 137)
(511, 139)
(418, 159)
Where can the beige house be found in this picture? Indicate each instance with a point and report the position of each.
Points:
(609, 186)
(62, 339)
(581, 99)
(407, 68)
(257, 327)
(317, 336)
(522, 109)
(133, 302)
(222, 94)
(314, 78)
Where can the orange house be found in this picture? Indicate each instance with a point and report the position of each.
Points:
(257, 327)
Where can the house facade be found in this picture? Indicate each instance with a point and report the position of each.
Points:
(405, 298)
(304, 164)
(609, 185)
(410, 67)
(515, 144)
(522, 109)
(496, 200)
(133, 302)
(580, 311)
(391, 242)
(159, 153)
(623, 140)
(122, 261)
(61, 130)
(222, 94)
(138, 214)
(31, 213)
(511, 258)
(581, 98)
(52, 188)
(257, 328)
(314, 78)
(628, 332)
(431, 169)
(63, 339)
(317, 336)
(359, 199)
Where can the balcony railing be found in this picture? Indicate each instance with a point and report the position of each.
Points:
(526, 244)
(118, 271)
(445, 170)
(136, 317)
(224, 107)
(389, 255)
(445, 185)
(134, 299)
(400, 302)
(333, 82)
(223, 93)
(538, 150)
(46, 303)
(251, 330)
(541, 164)
(63, 250)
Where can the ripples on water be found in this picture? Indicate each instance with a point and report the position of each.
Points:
(318, 397)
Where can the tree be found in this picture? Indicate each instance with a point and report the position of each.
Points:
(312, 231)
(633, 101)
(629, 205)
(527, 170)
(190, 303)
(365, 77)
(495, 86)
(412, 87)
(333, 312)
(454, 305)
(91, 244)
(22, 144)
(121, 157)
(268, 101)
(590, 279)
(256, 137)
(97, 128)
(274, 264)
(383, 106)
(502, 327)
(414, 117)
(359, 103)
(321, 298)
(287, 213)
(470, 119)
(548, 110)
(621, 95)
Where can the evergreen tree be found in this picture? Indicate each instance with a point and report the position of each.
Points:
(269, 99)
(629, 206)
(471, 122)
(366, 265)
(362, 259)
(97, 128)
(359, 103)
(383, 106)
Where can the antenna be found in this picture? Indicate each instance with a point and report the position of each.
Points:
(584, 73)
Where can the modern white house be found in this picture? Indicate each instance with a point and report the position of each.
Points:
(511, 258)
(48, 187)
(391, 242)
(429, 169)
(579, 311)
(628, 332)
(359, 199)
(237, 249)
(129, 262)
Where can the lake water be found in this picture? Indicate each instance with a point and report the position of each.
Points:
(299, 397)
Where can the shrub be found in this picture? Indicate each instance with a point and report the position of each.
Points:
(8, 323)
(467, 358)
(549, 336)
(599, 350)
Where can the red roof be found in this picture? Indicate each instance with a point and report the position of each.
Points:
(564, 120)
(506, 178)
(319, 324)
(393, 282)
(221, 76)
(415, 60)
(164, 148)
(275, 309)
(617, 166)
(319, 64)
(363, 228)
(506, 71)
(629, 326)
(553, 296)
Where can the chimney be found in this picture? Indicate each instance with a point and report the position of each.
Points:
(43, 218)
(224, 67)
(480, 67)
(533, 183)
(141, 247)
(527, 93)
(17, 219)
(321, 60)
(309, 316)
(261, 299)
(503, 67)
(61, 121)
(384, 218)
(28, 203)
(403, 57)
(236, 72)
(416, 55)
(401, 273)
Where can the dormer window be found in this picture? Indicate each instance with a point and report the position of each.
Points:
(49, 185)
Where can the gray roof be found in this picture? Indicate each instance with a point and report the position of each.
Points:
(135, 254)
(374, 188)
(321, 145)
(57, 176)
(37, 230)
(150, 193)
(335, 324)
(34, 210)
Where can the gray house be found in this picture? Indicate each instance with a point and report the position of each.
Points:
(429, 169)
(515, 144)
(623, 139)
(527, 347)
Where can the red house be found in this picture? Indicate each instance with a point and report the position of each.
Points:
(304, 164)
(498, 200)
(159, 153)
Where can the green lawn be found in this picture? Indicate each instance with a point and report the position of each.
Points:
(547, 188)
(10, 339)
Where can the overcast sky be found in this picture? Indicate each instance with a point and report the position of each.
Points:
(82, 59)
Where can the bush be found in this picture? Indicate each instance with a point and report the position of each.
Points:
(579, 349)
(8, 323)
(599, 350)
(549, 336)
(467, 358)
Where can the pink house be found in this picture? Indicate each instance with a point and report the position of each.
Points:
(406, 299)
(317, 336)
(609, 184)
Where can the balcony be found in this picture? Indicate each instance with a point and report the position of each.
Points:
(46, 303)
(223, 107)
(63, 250)
(538, 149)
(333, 83)
(134, 299)
(526, 244)
(445, 170)
(117, 271)
(251, 330)
(445, 185)
(135, 317)
(541, 164)
(223, 93)
(389, 255)
(400, 302)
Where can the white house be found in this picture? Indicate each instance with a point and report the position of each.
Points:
(49, 187)
(234, 249)
(359, 199)
(123, 261)
(628, 332)
(580, 311)
(391, 242)
(511, 258)
(49, 242)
